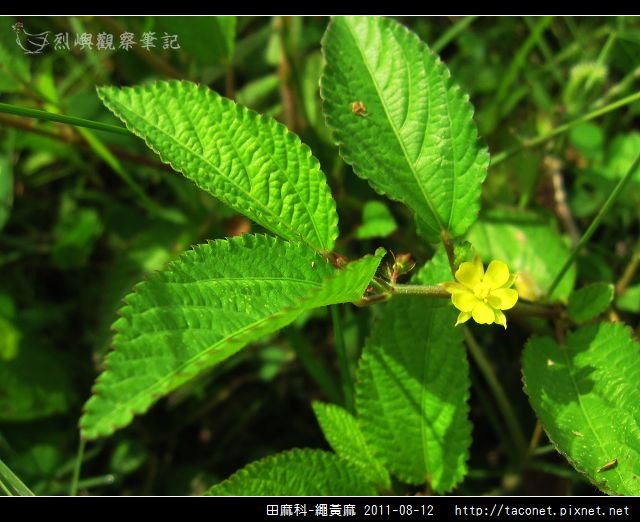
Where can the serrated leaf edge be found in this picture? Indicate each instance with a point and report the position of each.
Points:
(260, 209)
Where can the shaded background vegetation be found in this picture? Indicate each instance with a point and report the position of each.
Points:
(86, 214)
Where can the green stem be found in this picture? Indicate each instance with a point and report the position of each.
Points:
(343, 359)
(28, 112)
(629, 271)
(511, 421)
(554, 469)
(5, 489)
(521, 308)
(73, 491)
(594, 224)
(18, 486)
(538, 140)
(425, 290)
(452, 32)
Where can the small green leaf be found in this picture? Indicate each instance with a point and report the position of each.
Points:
(296, 472)
(529, 246)
(250, 162)
(377, 221)
(586, 396)
(416, 141)
(590, 301)
(343, 434)
(629, 301)
(412, 392)
(205, 307)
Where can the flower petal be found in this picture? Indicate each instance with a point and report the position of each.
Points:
(470, 274)
(454, 288)
(483, 314)
(463, 317)
(464, 301)
(503, 298)
(510, 281)
(497, 274)
(501, 319)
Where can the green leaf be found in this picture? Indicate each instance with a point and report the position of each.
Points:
(205, 307)
(250, 162)
(586, 396)
(436, 271)
(6, 191)
(416, 142)
(296, 472)
(590, 301)
(412, 391)
(34, 384)
(529, 246)
(344, 435)
(377, 221)
(629, 301)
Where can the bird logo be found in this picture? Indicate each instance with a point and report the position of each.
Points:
(30, 43)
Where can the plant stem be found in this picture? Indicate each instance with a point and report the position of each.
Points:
(73, 491)
(448, 246)
(538, 140)
(594, 224)
(18, 486)
(554, 469)
(521, 308)
(5, 489)
(343, 359)
(511, 421)
(535, 438)
(8, 108)
(425, 290)
(629, 271)
(72, 139)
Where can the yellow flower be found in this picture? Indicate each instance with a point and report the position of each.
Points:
(483, 295)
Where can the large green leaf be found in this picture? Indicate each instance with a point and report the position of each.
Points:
(412, 391)
(206, 306)
(529, 246)
(343, 433)
(296, 472)
(250, 162)
(586, 396)
(416, 141)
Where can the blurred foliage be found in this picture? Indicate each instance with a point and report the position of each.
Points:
(85, 215)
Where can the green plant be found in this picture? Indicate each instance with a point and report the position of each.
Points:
(403, 423)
